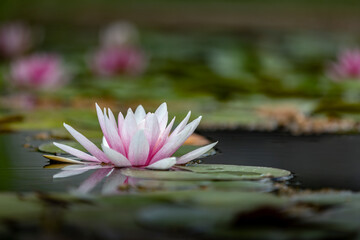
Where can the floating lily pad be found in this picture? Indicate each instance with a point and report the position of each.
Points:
(237, 170)
(209, 172)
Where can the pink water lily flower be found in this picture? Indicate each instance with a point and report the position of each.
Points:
(346, 67)
(38, 71)
(112, 61)
(139, 139)
(15, 39)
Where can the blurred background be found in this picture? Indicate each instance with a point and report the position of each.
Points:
(276, 66)
(229, 59)
(207, 52)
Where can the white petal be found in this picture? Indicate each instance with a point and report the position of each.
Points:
(114, 140)
(140, 114)
(162, 115)
(152, 130)
(163, 137)
(105, 143)
(163, 164)
(183, 123)
(115, 157)
(129, 128)
(195, 154)
(171, 145)
(112, 118)
(120, 122)
(87, 144)
(138, 149)
(100, 118)
(175, 141)
(193, 125)
(75, 152)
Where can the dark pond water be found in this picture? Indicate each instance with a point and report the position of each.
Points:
(318, 161)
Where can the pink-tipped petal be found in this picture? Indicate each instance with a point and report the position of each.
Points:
(163, 164)
(114, 140)
(100, 118)
(87, 144)
(183, 123)
(129, 128)
(193, 125)
(138, 149)
(75, 152)
(152, 129)
(195, 154)
(115, 157)
(175, 141)
(164, 136)
(120, 122)
(172, 145)
(162, 115)
(112, 119)
(140, 114)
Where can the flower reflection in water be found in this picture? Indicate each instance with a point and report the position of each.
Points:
(112, 179)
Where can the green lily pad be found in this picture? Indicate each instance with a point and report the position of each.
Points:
(237, 170)
(209, 172)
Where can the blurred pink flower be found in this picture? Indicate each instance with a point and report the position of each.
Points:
(15, 39)
(38, 71)
(140, 140)
(116, 61)
(347, 66)
(119, 34)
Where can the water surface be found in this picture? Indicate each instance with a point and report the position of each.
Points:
(318, 161)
